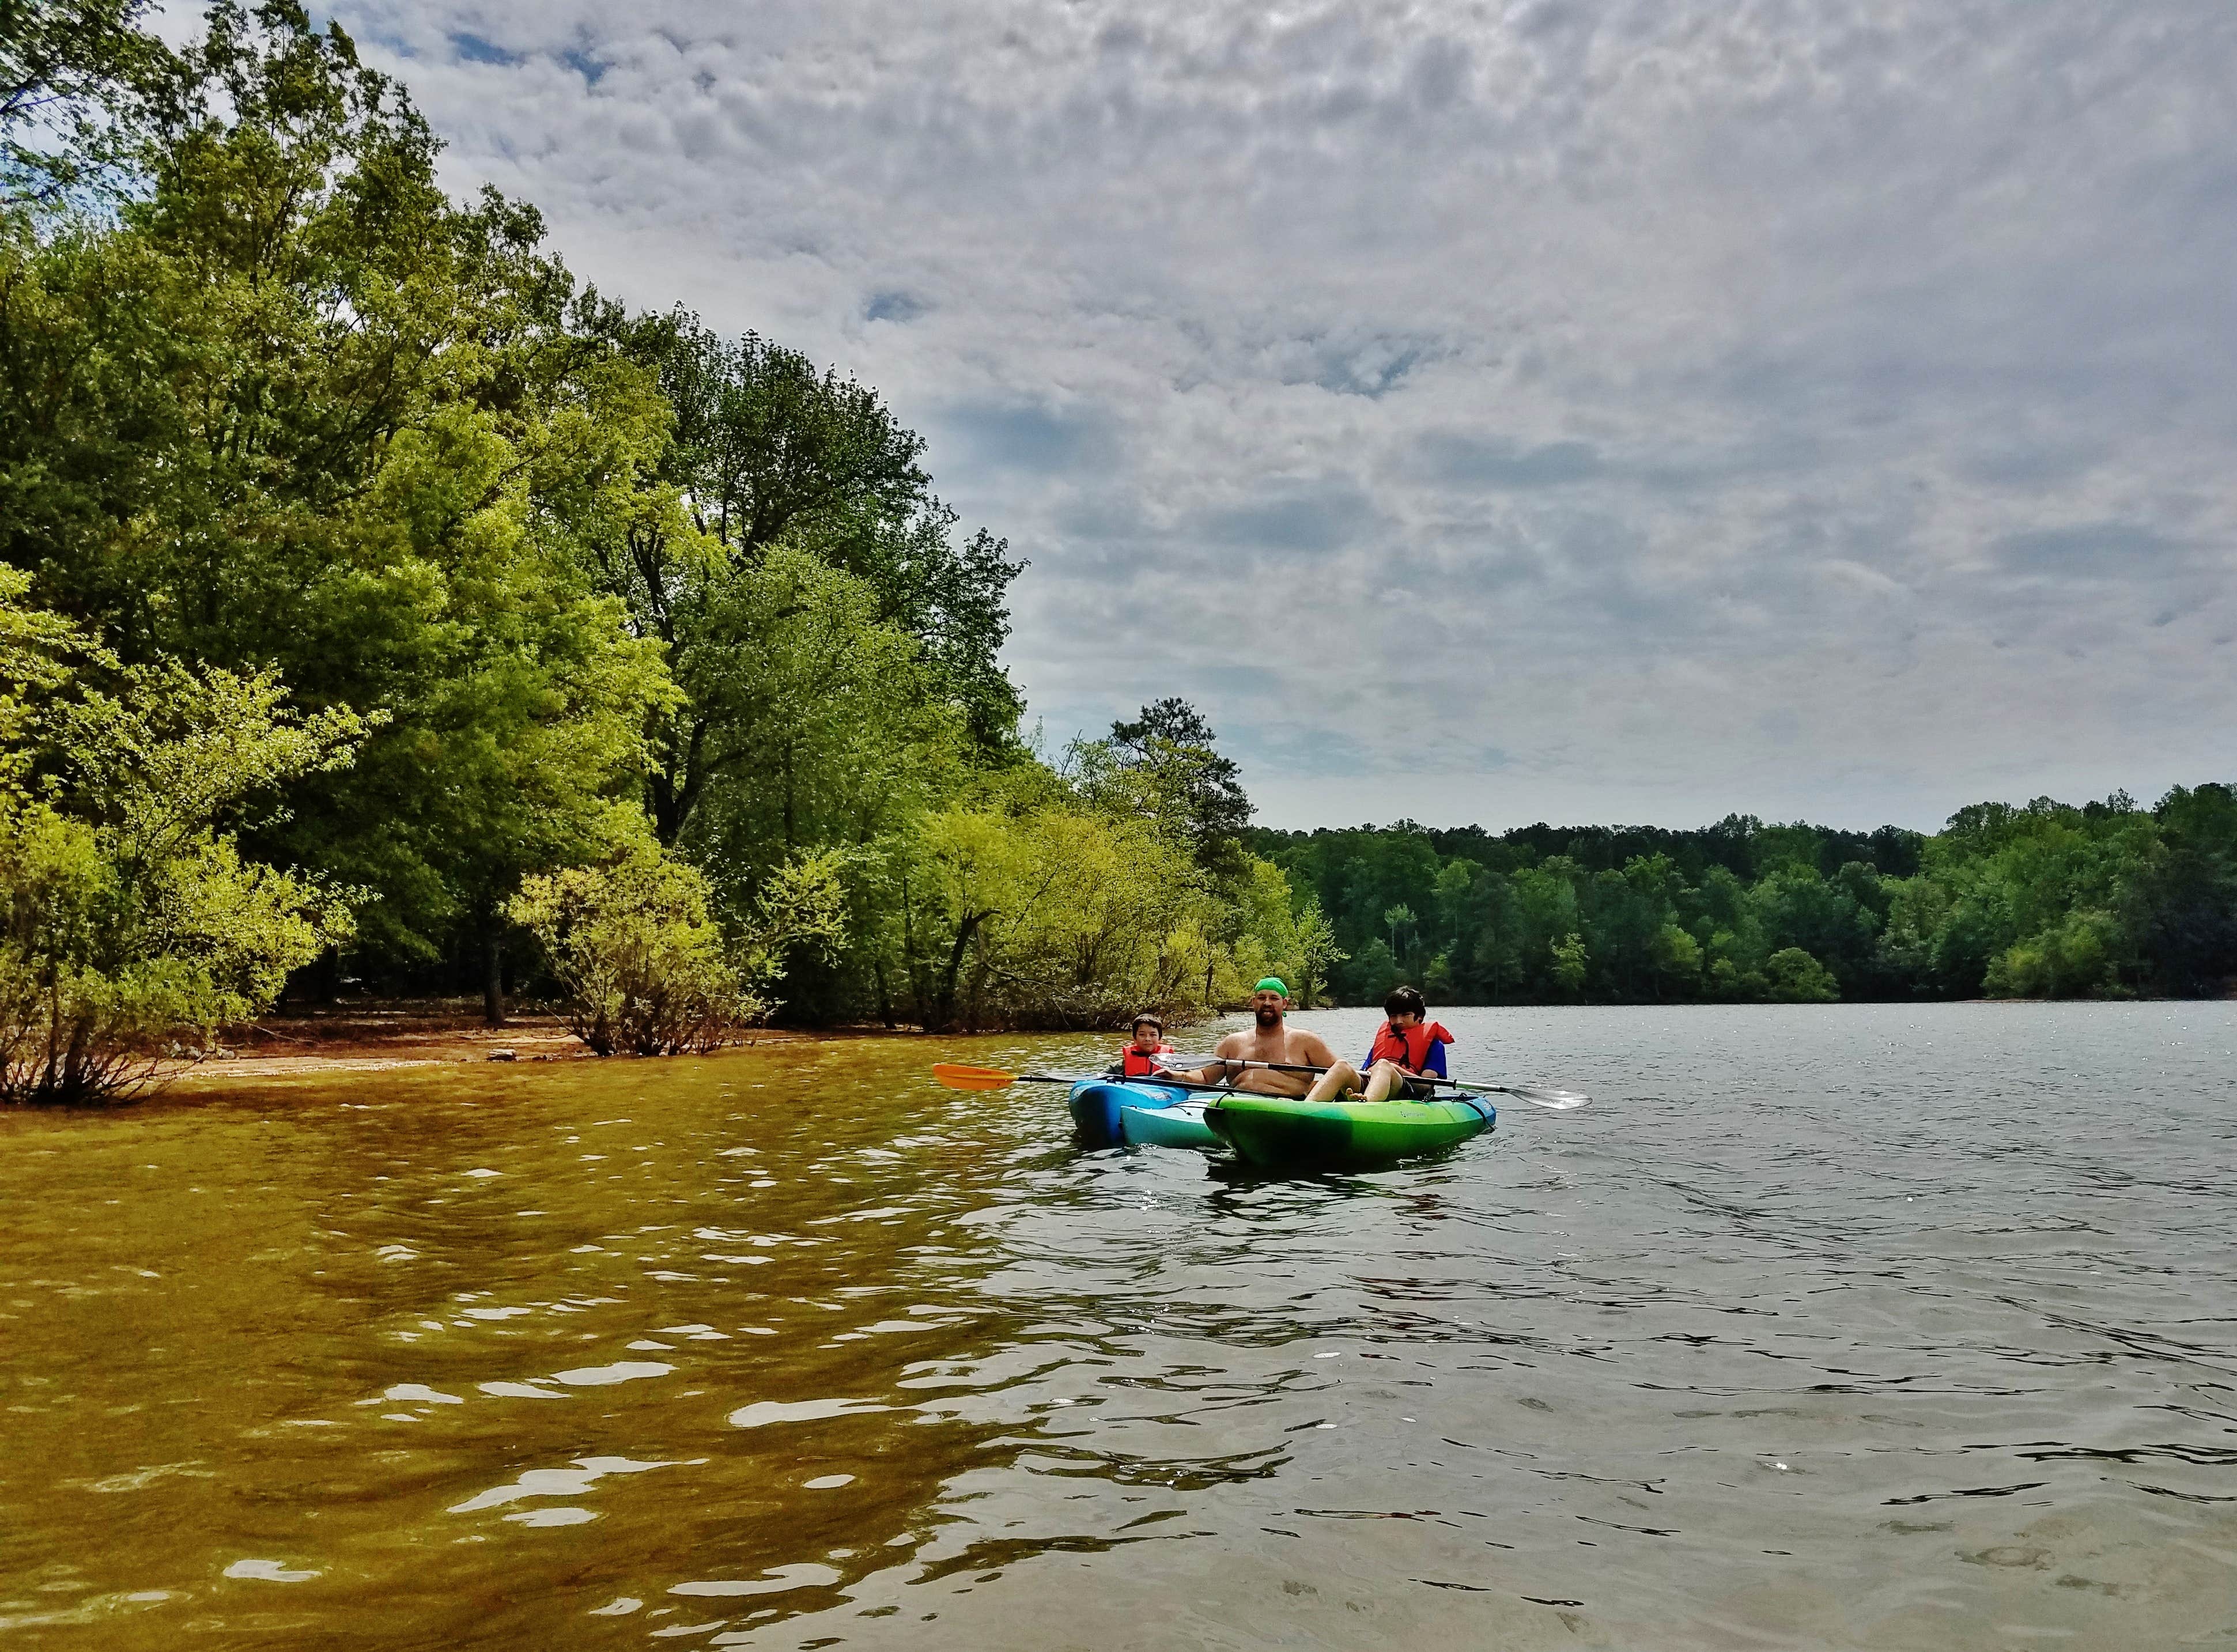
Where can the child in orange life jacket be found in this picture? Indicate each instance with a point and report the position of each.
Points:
(1408, 1043)
(1139, 1059)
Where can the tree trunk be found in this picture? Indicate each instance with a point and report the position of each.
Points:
(908, 950)
(674, 785)
(494, 976)
(963, 933)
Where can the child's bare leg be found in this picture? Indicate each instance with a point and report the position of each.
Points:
(1380, 1082)
(1333, 1082)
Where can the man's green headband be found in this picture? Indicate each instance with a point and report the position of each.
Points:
(1271, 984)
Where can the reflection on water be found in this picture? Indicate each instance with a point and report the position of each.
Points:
(1858, 1326)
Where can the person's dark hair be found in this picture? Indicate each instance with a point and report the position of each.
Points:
(1403, 999)
(1146, 1017)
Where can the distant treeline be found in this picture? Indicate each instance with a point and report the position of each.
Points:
(2044, 900)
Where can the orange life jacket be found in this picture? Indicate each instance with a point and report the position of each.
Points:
(1410, 1048)
(1140, 1064)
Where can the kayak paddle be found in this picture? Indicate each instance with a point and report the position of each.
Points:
(1538, 1095)
(956, 1077)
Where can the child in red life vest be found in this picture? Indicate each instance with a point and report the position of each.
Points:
(1407, 1044)
(1139, 1059)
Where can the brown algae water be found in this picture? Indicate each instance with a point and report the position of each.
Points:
(1852, 1326)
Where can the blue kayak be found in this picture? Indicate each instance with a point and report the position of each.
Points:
(1139, 1111)
(1179, 1126)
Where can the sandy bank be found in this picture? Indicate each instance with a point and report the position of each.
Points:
(375, 1037)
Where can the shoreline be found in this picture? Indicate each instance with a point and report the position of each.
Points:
(404, 1033)
(333, 1041)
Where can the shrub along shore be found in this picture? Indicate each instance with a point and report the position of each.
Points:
(380, 604)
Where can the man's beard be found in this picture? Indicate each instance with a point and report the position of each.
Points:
(1267, 1018)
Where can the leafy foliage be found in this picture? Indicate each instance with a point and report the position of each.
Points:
(74, 75)
(1166, 767)
(128, 918)
(766, 455)
(642, 962)
(1059, 917)
(292, 409)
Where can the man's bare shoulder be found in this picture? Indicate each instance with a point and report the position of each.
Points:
(1316, 1048)
(1233, 1044)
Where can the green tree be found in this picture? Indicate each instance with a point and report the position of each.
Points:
(1677, 962)
(1551, 920)
(822, 723)
(766, 449)
(2178, 902)
(129, 920)
(1373, 972)
(1166, 768)
(76, 78)
(638, 957)
(287, 407)
(1571, 963)
(642, 962)
(2007, 898)
(1057, 917)
(1797, 908)
(1317, 952)
(2077, 957)
(1794, 977)
(1402, 926)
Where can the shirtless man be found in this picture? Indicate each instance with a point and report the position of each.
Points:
(1269, 1040)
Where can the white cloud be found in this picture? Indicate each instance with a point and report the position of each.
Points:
(1628, 411)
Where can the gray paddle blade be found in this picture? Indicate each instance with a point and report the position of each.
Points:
(1560, 1101)
(1536, 1094)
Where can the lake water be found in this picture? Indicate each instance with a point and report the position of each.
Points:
(1852, 1326)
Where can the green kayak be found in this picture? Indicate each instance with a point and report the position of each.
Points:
(1280, 1132)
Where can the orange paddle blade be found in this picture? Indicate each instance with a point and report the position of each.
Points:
(956, 1077)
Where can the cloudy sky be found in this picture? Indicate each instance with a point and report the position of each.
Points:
(1634, 411)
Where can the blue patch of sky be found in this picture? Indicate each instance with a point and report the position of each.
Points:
(1472, 461)
(2102, 550)
(1321, 519)
(1021, 437)
(893, 306)
(473, 49)
(1299, 750)
(1359, 375)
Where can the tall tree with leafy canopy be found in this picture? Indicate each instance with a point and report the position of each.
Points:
(76, 77)
(765, 450)
(289, 407)
(1165, 765)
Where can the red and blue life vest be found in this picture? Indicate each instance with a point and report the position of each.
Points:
(1413, 1049)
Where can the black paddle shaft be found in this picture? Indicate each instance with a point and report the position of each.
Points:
(1098, 1078)
(1291, 1067)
